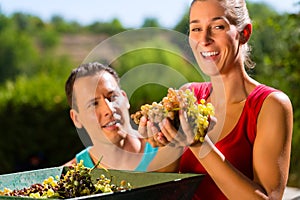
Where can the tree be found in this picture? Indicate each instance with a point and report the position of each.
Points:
(150, 22)
(183, 25)
(109, 28)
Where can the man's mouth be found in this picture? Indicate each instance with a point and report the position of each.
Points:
(109, 124)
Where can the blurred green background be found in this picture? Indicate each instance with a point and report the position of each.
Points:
(36, 58)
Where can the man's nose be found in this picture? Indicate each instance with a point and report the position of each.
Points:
(107, 108)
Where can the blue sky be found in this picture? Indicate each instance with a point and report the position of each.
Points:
(131, 13)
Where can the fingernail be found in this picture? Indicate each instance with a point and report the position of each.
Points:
(159, 138)
(160, 124)
(143, 119)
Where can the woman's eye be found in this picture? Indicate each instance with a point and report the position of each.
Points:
(196, 29)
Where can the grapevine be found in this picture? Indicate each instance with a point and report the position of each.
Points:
(75, 183)
(198, 114)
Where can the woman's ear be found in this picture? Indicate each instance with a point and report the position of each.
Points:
(246, 34)
(75, 118)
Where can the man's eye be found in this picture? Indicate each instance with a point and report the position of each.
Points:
(220, 27)
(93, 104)
(113, 97)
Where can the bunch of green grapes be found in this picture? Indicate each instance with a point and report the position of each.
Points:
(156, 112)
(48, 189)
(75, 183)
(198, 114)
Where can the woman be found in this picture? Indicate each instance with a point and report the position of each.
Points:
(246, 155)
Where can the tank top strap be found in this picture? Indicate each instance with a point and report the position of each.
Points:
(253, 106)
(258, 96)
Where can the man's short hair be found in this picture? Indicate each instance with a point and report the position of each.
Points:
(83, 70)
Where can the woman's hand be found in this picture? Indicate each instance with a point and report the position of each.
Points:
(185, 135)
(166, 133)
(151, 133)
(179, 138)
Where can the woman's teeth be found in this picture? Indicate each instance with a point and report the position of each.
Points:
(208, 54)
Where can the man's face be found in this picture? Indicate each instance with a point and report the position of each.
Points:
(102, 105)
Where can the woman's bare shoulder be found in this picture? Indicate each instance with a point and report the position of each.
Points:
(277, 101)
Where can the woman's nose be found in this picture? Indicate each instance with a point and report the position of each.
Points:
(205, 38)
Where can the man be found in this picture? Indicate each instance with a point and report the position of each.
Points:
(100, 107)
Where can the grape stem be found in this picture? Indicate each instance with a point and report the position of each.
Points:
(98, 164)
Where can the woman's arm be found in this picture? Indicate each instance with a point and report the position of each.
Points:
(272, 147)
(271, 155)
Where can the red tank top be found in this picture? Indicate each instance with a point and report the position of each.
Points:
(236, 146)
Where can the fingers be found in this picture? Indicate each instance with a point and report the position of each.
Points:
(153, 142)
(151, 133)
(166, 130)
(174, 137)
(161, 139)
(212, 123)
(122, 132)
(166, 133)
(142, 129)
(186, 128)
(157, 140)
(151, 129)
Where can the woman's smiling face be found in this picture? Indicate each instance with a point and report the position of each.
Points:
(213, 39)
